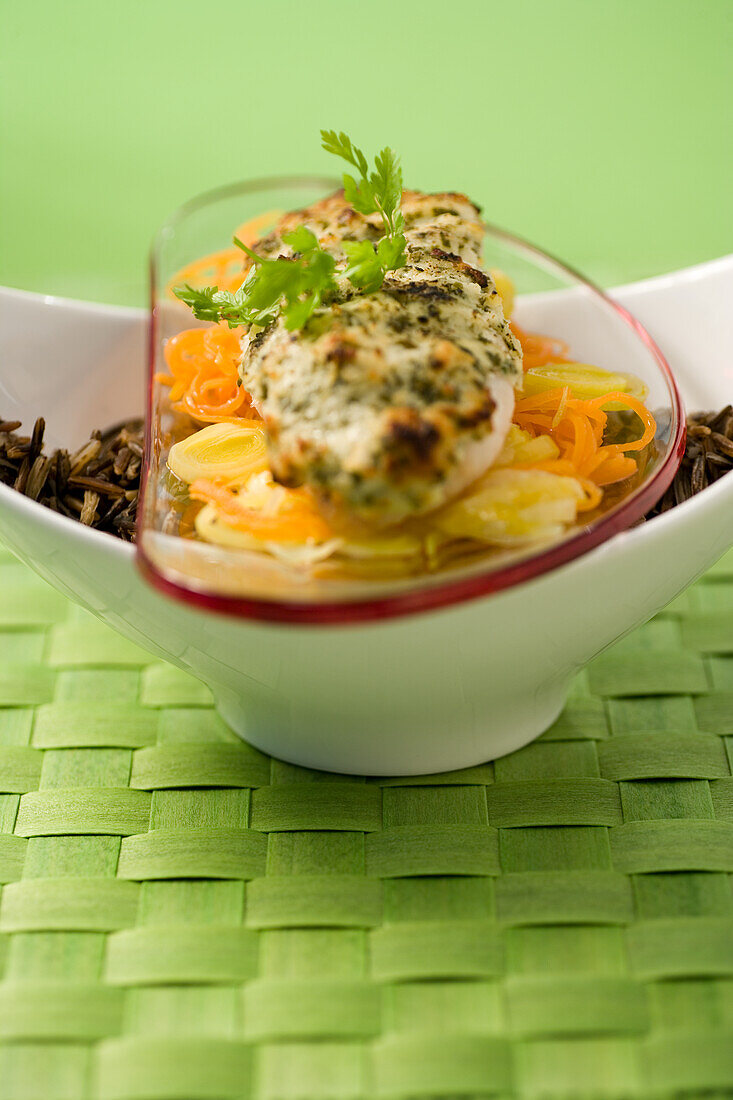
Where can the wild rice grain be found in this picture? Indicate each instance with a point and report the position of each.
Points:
(98, 484)
(37, 477)
(708, 456)
(84, 455)
(697, 476)
(89, 509)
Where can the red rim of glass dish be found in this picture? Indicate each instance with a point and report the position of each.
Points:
(450, 592)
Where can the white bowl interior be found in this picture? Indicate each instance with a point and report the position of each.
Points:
(689, 315)
(79, 365)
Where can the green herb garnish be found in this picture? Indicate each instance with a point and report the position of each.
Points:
(297, 286)
(293, 287)
(376, 191)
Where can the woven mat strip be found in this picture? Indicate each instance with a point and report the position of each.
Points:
(183, 917)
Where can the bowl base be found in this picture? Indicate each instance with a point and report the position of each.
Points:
(377, 751)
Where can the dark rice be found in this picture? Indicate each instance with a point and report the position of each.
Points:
(98, 484)
(708, 456)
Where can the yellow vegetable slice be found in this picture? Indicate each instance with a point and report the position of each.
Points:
(585, 381)
(522, 449)
(514, 507)
(226, 452)
(505, 286)
(264, 510)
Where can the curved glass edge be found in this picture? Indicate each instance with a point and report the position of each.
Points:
(450, 592)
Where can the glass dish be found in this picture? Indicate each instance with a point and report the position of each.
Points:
(551, 298)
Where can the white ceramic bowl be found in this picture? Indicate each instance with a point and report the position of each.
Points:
(417, 693)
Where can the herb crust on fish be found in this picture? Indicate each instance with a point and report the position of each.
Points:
(389, 404)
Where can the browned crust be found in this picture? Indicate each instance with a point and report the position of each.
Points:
(473, 273)
(410, 440)
(335, 210)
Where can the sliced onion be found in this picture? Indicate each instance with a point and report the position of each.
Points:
(387, 546)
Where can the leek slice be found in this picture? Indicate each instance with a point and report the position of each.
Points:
(383, 546)
(227, 452)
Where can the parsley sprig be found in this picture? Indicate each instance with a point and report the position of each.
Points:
(378, 191)
(295, 286)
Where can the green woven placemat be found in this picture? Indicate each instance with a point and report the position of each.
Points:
(183, 918)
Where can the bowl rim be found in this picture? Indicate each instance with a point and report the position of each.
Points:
(449, 592)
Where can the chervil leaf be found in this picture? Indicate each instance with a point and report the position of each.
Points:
(275, 279)
(340, 145)
(296, 286)
(365, 271)
(296, 315)
(387, 183)
(391, 252)
(301, 239)
(320, 269)
(211, 304)
(360, 195)
(381, 190)
(200, 301)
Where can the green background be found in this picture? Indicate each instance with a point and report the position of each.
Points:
(596, 129)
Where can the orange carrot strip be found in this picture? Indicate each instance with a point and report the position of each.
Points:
(650, 424)
(613, 469)
(577, 427)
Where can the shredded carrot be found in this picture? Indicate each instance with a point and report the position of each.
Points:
(577, 427)
(204, 375)
(539, 350)
(224, 269)
(297, 522)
